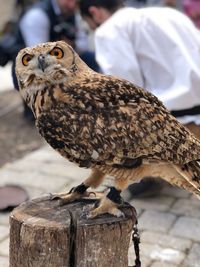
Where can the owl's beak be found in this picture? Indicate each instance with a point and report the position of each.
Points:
(41, 62)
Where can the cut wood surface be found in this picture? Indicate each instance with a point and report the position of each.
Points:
(44, 234)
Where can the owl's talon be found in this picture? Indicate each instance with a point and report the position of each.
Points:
(100, 211)
(71, 190)
(57, 196)
(75, 193)
(92, 193)
(68, 198)
(96, 204)
(117, 213)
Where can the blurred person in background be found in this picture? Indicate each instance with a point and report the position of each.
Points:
(157, 48)
(135, 3)
(49, 20)
(192, 9)
(169, 3)
(145, 3)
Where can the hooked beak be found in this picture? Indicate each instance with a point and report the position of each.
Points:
(41, 62)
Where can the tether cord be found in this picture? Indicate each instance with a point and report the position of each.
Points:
(136, 242)
(135, 238)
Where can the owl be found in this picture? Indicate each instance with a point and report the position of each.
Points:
(104, 123)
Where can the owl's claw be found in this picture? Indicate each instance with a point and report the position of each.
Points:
(92, 193)
(105, 205)
(75, 193)
(65, 198)
(99, 211)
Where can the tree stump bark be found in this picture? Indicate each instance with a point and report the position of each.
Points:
(45, 234)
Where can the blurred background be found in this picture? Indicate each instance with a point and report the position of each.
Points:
(13, 142)
(169, 217)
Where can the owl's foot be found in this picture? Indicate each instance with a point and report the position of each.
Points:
(103, 210)
(75, 193)
(109, 204)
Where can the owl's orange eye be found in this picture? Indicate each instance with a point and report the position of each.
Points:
(57, 52)
(26, 58)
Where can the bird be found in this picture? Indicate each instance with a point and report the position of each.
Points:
(106, 124)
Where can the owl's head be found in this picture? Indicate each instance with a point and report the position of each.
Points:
(47, 63)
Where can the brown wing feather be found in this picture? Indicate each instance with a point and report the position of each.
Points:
(107, 120)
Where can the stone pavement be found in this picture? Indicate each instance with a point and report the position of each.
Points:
(169, 223)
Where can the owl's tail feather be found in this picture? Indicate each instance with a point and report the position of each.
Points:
(191, 172)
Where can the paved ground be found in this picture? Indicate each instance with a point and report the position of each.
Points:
(169, 223)
(17, 136)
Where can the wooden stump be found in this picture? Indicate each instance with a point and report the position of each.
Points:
(44, 234)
